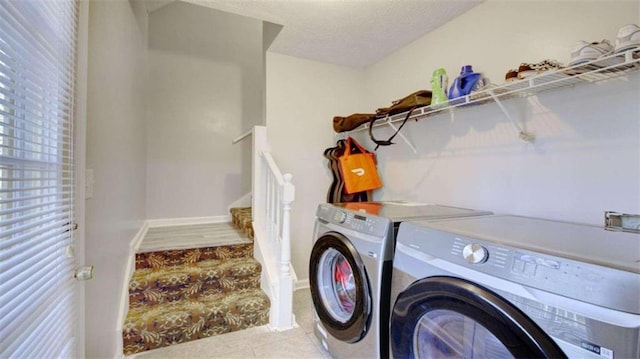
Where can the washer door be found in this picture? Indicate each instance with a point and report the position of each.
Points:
(445, 317)
(340, 287)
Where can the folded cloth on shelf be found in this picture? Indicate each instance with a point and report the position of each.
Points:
(342, 124)
(417, 99)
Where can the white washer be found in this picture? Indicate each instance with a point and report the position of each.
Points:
(508, 286)
(350, 272)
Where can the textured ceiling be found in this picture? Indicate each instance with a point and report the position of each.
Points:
(348, 32)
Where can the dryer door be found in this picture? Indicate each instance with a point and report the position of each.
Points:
(446, 317)
(340, 288)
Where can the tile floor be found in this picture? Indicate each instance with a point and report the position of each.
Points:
(256, 342)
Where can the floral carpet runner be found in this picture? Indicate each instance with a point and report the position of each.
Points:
(177, 296)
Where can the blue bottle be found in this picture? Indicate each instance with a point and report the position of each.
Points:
(465, 83)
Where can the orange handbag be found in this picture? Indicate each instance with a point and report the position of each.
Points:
(358, 169)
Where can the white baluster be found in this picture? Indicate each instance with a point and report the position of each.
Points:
(288, 195)
(273, 196)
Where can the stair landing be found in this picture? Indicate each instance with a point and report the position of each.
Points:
(192, 236)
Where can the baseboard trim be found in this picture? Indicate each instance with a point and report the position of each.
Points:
(166, 222)
(124, 294)
(137, 239)
(301, 284)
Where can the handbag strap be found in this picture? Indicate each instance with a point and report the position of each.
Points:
(350, 141)
(388, 141)
(347, 147)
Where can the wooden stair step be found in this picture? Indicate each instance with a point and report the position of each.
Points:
(150, 327)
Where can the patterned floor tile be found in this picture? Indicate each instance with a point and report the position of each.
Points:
(295, 345)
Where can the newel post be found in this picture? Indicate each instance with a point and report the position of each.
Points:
(285, 312)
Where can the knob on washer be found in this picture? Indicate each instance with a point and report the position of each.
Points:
(475, 253)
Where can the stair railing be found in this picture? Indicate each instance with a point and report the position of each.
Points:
(273, 194)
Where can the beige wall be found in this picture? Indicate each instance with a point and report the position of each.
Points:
(302, 98)
(496, 36)
(116, 153)
(205, 88)
(586, 158)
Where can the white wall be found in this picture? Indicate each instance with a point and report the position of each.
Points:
(586, 158)
(116, 152)
(302, 98)
(496, 36)
(206, 87)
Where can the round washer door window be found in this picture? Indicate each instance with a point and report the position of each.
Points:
(443, 333)
(339, 287)
(447, 317)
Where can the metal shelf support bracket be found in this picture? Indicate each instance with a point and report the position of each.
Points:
(413, 148)
(522, 134)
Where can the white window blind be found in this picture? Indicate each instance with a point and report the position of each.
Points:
(37, 77)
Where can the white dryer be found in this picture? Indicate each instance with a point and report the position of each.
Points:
(350, 272)
(515, 287)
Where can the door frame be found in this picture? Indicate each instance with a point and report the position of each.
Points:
(80, 150)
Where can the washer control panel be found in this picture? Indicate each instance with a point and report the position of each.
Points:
(356, 221)
(340, 216)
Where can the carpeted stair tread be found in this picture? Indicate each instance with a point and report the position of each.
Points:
(159, 259)
(158, 296)
(178, 294)
(184, 274)
(151, 327)
(158, 285)
(243, 219)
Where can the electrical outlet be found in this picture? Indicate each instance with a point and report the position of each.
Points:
(617, 221)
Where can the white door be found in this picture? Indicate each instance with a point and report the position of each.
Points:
(38, 54)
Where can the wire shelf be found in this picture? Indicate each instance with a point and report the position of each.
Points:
(604, 68)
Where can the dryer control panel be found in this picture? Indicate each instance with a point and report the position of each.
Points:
(566, 276)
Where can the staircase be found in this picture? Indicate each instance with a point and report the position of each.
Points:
(181, 295)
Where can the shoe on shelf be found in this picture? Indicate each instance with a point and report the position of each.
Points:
(527, 70)
(511, 75)
(584, 51)
(628, 38)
